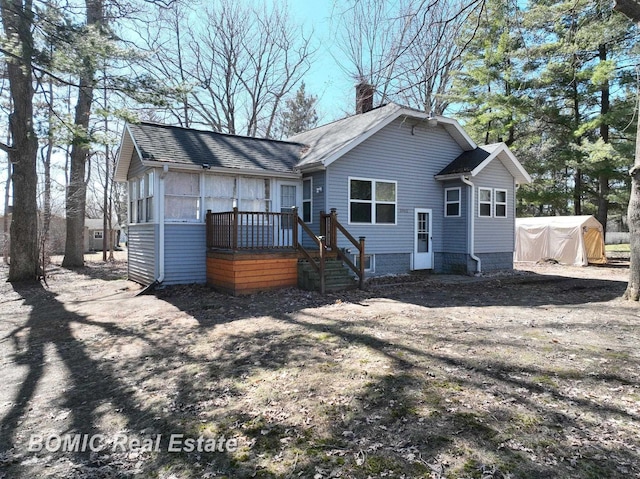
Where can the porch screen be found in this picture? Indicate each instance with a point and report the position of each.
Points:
(219, 192)
(182, 197)
(255, 194)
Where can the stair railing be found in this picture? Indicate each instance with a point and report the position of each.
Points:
(319, 241)
(329, 227)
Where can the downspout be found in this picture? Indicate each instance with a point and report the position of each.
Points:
(471, 223)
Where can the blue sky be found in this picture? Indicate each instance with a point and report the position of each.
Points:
(326, 80)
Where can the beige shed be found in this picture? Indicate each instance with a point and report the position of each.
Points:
(571, 240)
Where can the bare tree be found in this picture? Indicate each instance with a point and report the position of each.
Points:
(231, 67)
(407, 51)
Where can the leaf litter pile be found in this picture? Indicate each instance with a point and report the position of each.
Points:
(532, 374)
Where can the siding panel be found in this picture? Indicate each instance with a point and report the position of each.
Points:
(495, 235)
(455, 229)
(185, 254)
(136, 168)
(142, 253)
(412, 158)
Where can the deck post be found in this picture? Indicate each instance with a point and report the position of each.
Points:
(323, 224)
(234, 231)
(361, 257)
(294, 226)
(323, 246)
(209, 229)
(333, 241)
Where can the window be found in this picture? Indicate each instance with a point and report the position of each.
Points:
(500, 203)
(219, 193)
(369, 262)
(140, 200)
(484, 202)
(182, 197)
(452, 202)
(255, 194)
(307, 191)
(372, 201)
(133, 197)
(97, 234)
(148, 202)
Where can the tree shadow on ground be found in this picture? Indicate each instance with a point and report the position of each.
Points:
(312, 395)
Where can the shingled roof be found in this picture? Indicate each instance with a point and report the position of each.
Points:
(185, 146)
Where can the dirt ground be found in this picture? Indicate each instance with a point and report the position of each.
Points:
(533, 374)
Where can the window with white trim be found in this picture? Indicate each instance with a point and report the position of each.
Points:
(140, 194)
(485, 204)
(369, 262)
(97, 234)
(452, 202)
(372, 201)
(133, 186)
(255, 194)
(219, 192)
(148, 201)
(182, 197)
(499, 203)
(307, 202)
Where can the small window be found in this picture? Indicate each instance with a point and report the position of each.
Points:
(182, 197)
(97, 234)
(133, 185)
(140, 202)
(484, 202)
(369, 263)
(500, 203)
(372, 201)
(149, 197)
(452, 202)
(307, 192)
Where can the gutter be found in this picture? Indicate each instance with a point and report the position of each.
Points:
(472, 222)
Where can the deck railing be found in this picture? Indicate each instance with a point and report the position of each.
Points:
(251, 230)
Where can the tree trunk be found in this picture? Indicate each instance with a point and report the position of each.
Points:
(633, 217)
(17, 18)
(77, 189)
(5, 220)
(603, 178)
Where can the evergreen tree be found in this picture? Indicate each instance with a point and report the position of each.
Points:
(299, 114)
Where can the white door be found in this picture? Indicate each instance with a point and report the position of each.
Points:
(422, 249)
(287, 197)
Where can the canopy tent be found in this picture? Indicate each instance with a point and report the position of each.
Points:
(572, 240)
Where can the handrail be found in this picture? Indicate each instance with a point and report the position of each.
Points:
(334, 226)
(322, 248)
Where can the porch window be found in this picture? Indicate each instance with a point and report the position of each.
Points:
(307, 202)
(140, 199)
(133, 197)
(372, 201)
(148, 206)
(484, 202)
(182, 197)
(219, 193)
(500, 203)
(452, 202)
(255, 194)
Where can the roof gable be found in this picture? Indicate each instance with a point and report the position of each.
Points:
(162, 144)
(329, 142)
(474, 161)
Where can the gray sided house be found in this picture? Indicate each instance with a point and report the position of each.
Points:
(175, 175)
(424, 195)
(418, 188)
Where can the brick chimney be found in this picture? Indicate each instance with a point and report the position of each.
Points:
(364, 98)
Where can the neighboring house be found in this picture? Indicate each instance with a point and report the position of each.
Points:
(94, 233)
(424, 195)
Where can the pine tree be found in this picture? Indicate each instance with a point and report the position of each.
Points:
(299, 114)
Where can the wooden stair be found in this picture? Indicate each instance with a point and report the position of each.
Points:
(337, 276)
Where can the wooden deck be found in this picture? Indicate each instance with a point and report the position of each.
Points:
(247, 272)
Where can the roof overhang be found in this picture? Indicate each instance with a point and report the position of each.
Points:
(501, 152)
